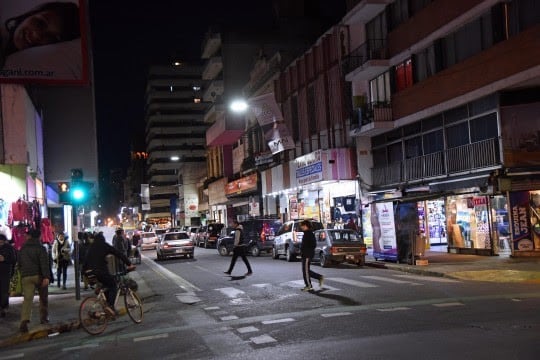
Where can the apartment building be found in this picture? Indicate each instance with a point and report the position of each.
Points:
(175, 142)
(445, 101)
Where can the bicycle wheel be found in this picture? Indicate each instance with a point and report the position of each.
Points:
(134, 306)
(92, 316)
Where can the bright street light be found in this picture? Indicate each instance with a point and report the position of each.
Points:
(239, 106)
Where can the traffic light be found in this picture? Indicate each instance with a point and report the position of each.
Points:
(80, 192)
(63, 192)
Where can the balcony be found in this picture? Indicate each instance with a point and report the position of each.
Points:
(459, 160)
(214, 112)
(210, 44)
(366, 61)
(365, 10)
(215, 89)
(226, 130)
(212, 68)
(372, 119)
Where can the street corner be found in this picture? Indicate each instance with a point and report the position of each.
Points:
(503, 276)
(39, 332)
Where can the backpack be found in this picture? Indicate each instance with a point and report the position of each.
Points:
(242, 240)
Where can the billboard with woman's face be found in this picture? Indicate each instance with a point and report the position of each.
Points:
(43, 42)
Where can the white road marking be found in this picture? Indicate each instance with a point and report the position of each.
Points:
(336, 314)
(231, 292)
(399, 308)
(263, 339)
(179, 281)
(14, 356)
(517, 300)
(230, 317)
(262, 285)
(389, 280)
(80, 347)
(357, 283)
(449, 304)
(298, 284)
(277, 321)
(247, 329)
(429, 278)
(152, 337)
(212, 308)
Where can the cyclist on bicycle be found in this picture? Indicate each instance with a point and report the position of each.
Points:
(96, 262)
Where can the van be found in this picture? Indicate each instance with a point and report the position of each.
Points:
(289, 238)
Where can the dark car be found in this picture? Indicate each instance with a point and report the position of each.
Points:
(173, 244)
(289, 238)
(208, 236)
(336, 246)
(258, 233)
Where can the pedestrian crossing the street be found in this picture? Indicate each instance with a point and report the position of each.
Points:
(237, 296)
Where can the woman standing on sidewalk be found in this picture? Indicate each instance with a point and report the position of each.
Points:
(62, 258)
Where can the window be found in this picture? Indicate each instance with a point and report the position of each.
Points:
(294, 118)
(312, 120)
(380, 89)
(425, 65)
(433, 142)
(457, 135)
(413, 147)
(395, 153)
(398, 13)
(484, 128)
(403, 73)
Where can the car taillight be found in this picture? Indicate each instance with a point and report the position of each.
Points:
(363, 250)
(263, 236)
(166, 245)
(333, 250)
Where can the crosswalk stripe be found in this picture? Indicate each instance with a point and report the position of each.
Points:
(298, 284)
(352, 282)
(429, 278)
(231, 292)
(399, 308)
(390, 280)
(277, 321)
(263, 339)
(336, 314)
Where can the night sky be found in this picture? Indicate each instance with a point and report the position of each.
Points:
(129, 36)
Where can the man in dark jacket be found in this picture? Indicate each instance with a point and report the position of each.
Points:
(35, 273)
(96, 261)
(307, 249)
(8, 258)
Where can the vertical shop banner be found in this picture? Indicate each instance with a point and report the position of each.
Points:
(56, 50)
(270, 119)
(145, 197)
(519, 217)
(384, 231)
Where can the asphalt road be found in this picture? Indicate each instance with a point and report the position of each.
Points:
(197, 312)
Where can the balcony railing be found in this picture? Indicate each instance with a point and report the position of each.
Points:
(460, 159)
(373, 49)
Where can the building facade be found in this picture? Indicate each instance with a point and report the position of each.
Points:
(441, 92)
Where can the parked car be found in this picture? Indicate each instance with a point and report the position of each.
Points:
(210, 236)
(160, 232)
(258, 233)
(289, 238)
(174, 244)
(149, 240)
(201, 235)
(336, 246)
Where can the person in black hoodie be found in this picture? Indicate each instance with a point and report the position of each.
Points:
(307, 249)
(96, 262)
(35, 273)
(8, 258)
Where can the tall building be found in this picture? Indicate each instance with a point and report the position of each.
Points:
(175, 141)
(445, 99)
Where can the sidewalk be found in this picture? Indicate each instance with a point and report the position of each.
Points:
(63, 306)
(63, 312)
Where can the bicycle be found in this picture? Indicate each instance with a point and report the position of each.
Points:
(92, 315)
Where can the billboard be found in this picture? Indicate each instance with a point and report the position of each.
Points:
(43, 42)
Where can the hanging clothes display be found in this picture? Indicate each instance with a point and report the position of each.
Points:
(47, 234)
(19, 210)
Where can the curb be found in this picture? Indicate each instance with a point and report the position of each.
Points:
(40, 332)
(408, 269)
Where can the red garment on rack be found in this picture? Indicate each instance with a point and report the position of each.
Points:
(47, 234)
(19, 210)
(19, 236)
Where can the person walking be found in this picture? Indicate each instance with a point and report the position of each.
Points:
(35, 273)
(8, 258)
(307, 249)
(62, 257)
(121, 243)
(239, 249)
(96, 262)
(87, 239)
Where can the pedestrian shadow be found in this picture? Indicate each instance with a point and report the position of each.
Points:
(240, 277)
(343, 300)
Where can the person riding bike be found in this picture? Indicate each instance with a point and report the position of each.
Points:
(96, 263)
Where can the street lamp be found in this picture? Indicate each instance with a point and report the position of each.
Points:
(239, 106)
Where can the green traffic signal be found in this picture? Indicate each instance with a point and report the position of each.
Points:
(80, 192)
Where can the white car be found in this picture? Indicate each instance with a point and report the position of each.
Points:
(149, 240)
